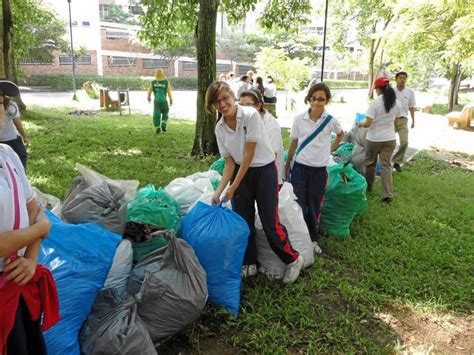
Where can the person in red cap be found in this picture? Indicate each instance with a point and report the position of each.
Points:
(381, 117)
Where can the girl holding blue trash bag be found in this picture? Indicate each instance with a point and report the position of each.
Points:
(250, 169)
(311, 147)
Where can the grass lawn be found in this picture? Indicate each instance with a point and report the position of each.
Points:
(403, 281)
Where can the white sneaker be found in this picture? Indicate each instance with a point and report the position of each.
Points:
(249, 270)
(293, 270)
(316, 248)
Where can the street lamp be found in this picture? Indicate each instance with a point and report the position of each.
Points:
(74, 97)
(324, 40)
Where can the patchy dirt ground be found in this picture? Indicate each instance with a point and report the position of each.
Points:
(426, 332)
(455, 159)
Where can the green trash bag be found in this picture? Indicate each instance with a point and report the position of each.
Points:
(345, 199)
(345, 149)
(218, 165)
(141, 249)
(215, 183)
(155, 207)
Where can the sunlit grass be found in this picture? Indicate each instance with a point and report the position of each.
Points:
(416, 252)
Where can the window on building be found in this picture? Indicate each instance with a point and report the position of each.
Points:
(187, 66)
(66, 60)
(223, 67)
(154, 63)
(115, 34)
(32, 61)
(243, 69)
(103, 11)
(121, 61)
(86, 24)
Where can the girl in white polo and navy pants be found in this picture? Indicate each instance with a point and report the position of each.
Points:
(308, 174)
(250, 169)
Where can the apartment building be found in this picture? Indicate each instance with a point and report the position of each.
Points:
(113, 48)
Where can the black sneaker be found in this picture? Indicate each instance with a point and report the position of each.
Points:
(158, 130)
(163, 128)
(387, 199)
(397, 167)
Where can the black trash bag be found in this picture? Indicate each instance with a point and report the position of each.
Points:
(173, 287)
(118, 330)
(103, 204)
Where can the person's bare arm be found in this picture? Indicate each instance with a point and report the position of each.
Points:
(229, 168)
(15, 240)
(412, 113)
(249, 152)
(367, 122)
(21, 130)
(338, 140)
(291, 153)
(150, 91)
(170, 93)
(2, 113)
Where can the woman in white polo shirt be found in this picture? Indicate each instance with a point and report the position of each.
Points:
(250, 169)
(311, 147)
(22, 226)
(12, 132)
(254, 99)
(381, 118)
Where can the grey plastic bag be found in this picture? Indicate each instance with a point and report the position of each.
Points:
(103, 204)
(173, 287)
(121, 267)
(117, 331)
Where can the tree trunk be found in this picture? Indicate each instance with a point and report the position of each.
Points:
(204, 138)
(371, 70)
(457, 86)
(453, 85)
(8, 62)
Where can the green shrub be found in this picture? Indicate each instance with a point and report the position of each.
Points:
(62, 82)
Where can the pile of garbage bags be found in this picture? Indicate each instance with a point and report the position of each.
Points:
(126, 281)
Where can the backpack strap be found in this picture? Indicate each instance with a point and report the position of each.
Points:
(313, 135)
(16, 198)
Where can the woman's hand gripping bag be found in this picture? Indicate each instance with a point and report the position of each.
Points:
(219, 237)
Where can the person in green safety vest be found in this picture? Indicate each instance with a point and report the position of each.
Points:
(160, 87)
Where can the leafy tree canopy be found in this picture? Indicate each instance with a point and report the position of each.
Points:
(37, 31)
(165, 20)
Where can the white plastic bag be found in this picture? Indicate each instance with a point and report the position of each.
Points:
(94, 178)
(48, 201)
(187, 192)
(291, 216)
(210, 174)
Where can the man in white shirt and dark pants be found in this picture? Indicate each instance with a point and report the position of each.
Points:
(406, 96)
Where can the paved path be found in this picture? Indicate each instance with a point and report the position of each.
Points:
(430, 130)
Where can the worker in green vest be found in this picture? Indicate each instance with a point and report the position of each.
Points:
(160, 87)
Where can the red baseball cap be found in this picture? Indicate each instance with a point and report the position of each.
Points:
(381, 82)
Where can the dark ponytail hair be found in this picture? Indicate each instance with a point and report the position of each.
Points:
(389, 97)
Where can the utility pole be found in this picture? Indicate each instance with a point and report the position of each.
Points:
(74, 97)
(324, 40)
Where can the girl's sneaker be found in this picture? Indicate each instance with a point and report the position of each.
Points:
(249, 270)
(293, 270)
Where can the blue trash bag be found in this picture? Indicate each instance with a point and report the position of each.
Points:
(79, 256)
(219, 238)
(359, 117)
